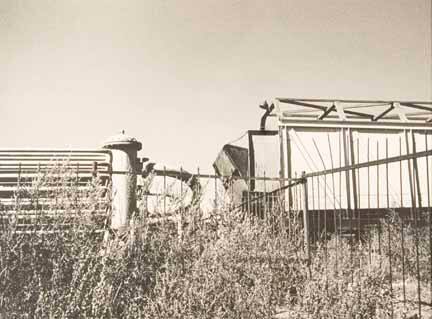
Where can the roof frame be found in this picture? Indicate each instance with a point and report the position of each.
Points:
(351, 113)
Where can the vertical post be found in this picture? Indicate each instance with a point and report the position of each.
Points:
(37, 187)
(249, 197)
(318, 211)
(95, 168)
(416, 224)
(251, 161)
(429, 213)
(340, 184)
(359, 225)
(413, 201)
(325, 197)
(347, 181)
(18, 193)
(353, 175)
(164, 191)
(232, 181)
(369, 202)
(306, 216)
(180, 218)
(402, 223)
(348, 192)
(314, 211)
(416, 174)
(288, 168)
(77, 185)
(334, 204)
(282, 174)
(281, 207)
(400, 173)
(124, 151)
(378, 176)
(388, 226)
(266, 217)
(378, 198)
(281, 157)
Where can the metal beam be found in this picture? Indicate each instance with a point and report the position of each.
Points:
(361, 114)
(296, 122)
(416, 106)
(314, 106)
(263, 132)
(379, 116)
(289, 100)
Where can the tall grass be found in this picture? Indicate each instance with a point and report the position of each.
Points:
(225, 266)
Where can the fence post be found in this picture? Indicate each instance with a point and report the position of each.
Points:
(306, 216)
(124, 151)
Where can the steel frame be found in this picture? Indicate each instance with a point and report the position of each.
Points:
(356, 114)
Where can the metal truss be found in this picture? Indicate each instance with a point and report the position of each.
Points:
(358, 114)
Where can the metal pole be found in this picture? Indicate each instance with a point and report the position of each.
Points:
(266, 217)
(369, 202)
(417, 183)
(348, 187)
(378, 199)
(400, 173)
(358, 192)
(314, 210)
(334, 205)
(389, 230)
(164, 191)
(429, 214)
(340, 184)
(180, 218)
(410, 177)
(306, 218)
(402, 223)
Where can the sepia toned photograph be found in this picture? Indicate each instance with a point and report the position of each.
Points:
(230, 159)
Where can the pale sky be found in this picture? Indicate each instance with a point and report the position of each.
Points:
(186, 77)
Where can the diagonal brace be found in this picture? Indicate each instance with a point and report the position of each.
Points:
(379, 116)
(327, 112)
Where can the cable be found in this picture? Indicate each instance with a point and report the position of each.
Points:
(238, 139)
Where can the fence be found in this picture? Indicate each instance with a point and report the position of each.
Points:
(359, 204)
(387, 216)
(30, 182)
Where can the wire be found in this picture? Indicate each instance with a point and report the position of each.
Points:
(238, 139)
(315, 167)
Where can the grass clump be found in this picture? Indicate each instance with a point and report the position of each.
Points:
(223, 266)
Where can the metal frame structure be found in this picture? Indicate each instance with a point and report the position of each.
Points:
(251, 164)
(370, 116)
(356, 114)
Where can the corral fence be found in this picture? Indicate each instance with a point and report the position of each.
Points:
(30, 181)
(364, 205)
(358, 204)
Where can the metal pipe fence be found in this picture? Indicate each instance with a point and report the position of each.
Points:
(42, 188)
(364, 205)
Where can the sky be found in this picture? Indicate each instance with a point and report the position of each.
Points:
(186, 77)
